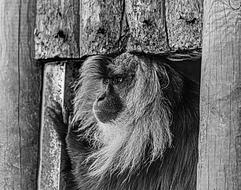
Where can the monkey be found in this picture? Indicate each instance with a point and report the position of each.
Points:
(134, 126)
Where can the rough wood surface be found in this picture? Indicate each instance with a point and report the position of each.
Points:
(20, 81)
(139, 25)
(219, 164)
(57, 29)
(147, 25)
(50, 148)
(103, 26)
(184, 24)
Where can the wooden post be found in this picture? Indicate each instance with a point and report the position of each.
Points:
(219, 164)
(20, 84)
(50, 148)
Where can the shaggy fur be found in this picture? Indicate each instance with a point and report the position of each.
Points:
(151, 145)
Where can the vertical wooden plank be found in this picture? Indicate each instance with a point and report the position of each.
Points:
(10, 170)
(147, 26)
(20, 81)
(56, 33)
(219, 164)
(184, 24)
(53, 89)
(103, 26)
(29, 96)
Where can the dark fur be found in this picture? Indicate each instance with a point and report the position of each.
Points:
(152, 145)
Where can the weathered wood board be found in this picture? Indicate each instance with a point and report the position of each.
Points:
(56, 32)
(20, 81)
(147, 26)
(219, 164)
(184, 24)
(50, 147)
(103, 26)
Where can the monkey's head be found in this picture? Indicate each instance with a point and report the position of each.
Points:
(124, 108)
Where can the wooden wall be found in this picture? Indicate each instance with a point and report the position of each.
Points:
(70, 29)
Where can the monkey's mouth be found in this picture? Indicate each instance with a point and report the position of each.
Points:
(105, 116)
(107, 110)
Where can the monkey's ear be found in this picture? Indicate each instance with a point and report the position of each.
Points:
(188, 67)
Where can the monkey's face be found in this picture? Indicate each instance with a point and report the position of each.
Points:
(115, 85)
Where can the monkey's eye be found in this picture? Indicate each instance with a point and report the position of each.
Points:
(117, 80)
(105, 81)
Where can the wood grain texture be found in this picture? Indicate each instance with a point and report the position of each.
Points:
(103, 26)
(184, 24)
(139, 25)
(57, 28)
(50, 148)
(219, 164)
(20, 81)
(147, 25)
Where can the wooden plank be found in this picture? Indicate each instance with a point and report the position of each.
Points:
(57, 30)
(219, 164)
(184, 24)
(103, 27)
(50, 149)
(20, 81)
(147, 26)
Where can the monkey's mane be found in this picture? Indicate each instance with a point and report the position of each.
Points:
(141, 133)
